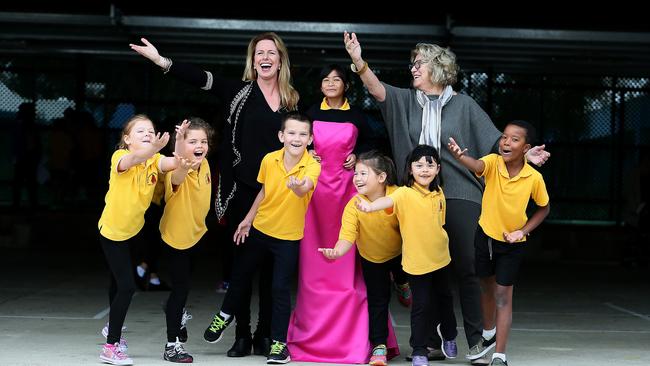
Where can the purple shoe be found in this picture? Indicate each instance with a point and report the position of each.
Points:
(449, 348)
(420, 361)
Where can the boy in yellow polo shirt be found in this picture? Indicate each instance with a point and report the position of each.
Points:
(187, 203)
(503, 226)
(274, 226)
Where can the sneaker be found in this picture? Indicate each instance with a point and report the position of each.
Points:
(105, 330)
(279, 353)
(449, 348)
(182, 336)
(433, 355)
(498, 362)
(420, 361)
(378, 357)
(111, 354)
(223, 287)
(481, 348)
(403, 294)
(214, 332)
(483, 361)
(176, 353)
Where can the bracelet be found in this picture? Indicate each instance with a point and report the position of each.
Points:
(353, 67)
(167, 64)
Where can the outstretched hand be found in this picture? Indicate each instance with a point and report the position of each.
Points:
(362, 205)
(148, 51)
(537, 155)
(180, 136)
(330, 253)
(159, 141)
(294, 183)
(455, 150)
(352, 45)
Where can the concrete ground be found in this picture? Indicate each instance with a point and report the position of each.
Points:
(53, 304)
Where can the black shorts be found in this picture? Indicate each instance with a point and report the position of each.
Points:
(497, 258)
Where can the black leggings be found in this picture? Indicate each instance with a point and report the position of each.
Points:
(122, 288)
(179, 268)
(377, 278)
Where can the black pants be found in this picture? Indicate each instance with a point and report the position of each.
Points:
(461, 222)
(122, 288)
(432, 300)
(254, 251)
(239, 207)
(149, 249)
(377, 278)
(179, 268)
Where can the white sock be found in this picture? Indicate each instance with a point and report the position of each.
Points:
(488, 334)
(141, 271)
(499, 355)
(169, 344)
(154, 281)
(224, 315)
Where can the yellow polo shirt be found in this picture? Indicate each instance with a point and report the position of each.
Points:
(421, 215)
(128, 197)
(505, 199)
(376, 233)
(282, 213)
(159, 191)
(183, 222)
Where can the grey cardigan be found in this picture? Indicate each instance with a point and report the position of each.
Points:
(462, 118)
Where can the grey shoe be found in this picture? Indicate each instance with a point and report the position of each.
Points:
(483, 361)
(498, 362)
(481, 348)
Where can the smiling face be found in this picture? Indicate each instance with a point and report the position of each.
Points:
(513, 145)
(140, 135)
(266, 60)
(367, 181)
(195, 146)
(421, 74)
(424, 172)
(332, 85)
(295, 136)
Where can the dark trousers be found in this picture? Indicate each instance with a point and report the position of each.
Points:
(253, 252)
(179, 268)
(432, 300)
(377, 278)
(461, 222)
(148, 250)
(239, 207)
(122, 287)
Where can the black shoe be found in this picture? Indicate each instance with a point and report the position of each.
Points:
(142, 282)
(177, 353)
(261, 346)
(241, 348)
(214, 332)
(182, 336)
(160, 287)
(279, 353)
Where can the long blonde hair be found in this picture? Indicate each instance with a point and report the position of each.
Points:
(288, 95)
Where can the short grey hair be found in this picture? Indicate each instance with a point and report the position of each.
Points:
(440, 61)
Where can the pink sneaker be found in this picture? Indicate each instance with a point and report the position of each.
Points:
(111, 354)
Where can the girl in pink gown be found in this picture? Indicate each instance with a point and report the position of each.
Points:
(330, 320)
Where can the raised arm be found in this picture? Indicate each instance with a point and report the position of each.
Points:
(537, 155)
(138, 156)
(339, 250)
(369, 79)
(476, 166)
(151, 53)
(376, 205)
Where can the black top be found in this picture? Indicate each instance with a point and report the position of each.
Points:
(257, 126)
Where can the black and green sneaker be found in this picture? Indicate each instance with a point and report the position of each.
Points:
(279, 353)
(214, 332)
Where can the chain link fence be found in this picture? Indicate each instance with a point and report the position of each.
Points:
(596, 127)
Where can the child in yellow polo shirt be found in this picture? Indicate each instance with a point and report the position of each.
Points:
(135, 168)
(503, 226)
(420, 210)
(379, 243)
(274, 226)
(187, 202)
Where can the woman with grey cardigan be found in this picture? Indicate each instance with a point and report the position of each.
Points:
(430, 113)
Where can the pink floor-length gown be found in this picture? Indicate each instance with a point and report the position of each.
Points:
(330, 320)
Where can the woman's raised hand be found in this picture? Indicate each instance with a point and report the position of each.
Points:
(148, 51)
